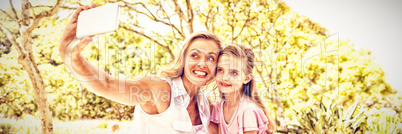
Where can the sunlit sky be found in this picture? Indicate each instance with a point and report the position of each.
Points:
(372, 25)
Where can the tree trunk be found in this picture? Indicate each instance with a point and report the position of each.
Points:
(281, 117)
(28, 62)
(26, 24)
(275, 98)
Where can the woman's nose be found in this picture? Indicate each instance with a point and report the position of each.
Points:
(201, 63)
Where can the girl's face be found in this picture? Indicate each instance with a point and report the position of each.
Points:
(231, 75)
(200, 61)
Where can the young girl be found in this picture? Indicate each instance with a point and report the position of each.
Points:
(240, 110)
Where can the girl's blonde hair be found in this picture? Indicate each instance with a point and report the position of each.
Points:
(176, 69)
(247, 55)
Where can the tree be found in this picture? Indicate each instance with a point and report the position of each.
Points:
(298, 61)
(297, 58)
(27, 22)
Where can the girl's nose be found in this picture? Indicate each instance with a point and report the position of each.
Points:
(224, 77)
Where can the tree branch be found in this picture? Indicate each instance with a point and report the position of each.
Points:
(25, 8)
(173, 28)
(265, 84)
(245, 24)
(190, 15)
(42, 15)
(213, 22)
(151, 15)
(13, 9)
(207, 18)
(12, 40)
(148, 37)
(178, 10)
(181, 25)
(32, 11)
(47, 6)
(8, 15)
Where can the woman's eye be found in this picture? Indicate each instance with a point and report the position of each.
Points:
(194, 55)
(211, 58)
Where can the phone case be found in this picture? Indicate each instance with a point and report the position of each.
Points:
(99, 20)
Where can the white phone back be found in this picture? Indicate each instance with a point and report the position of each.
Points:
(99, 20)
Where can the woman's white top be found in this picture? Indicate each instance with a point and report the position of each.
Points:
(175, 119)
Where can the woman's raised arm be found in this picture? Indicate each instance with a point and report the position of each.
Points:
(130, 92)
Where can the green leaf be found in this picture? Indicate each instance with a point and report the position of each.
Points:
(349, 112)
(356, 124)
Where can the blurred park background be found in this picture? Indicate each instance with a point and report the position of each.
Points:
(312, 80)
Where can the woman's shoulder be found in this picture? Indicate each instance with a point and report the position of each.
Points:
(162, 79)
(154, 82)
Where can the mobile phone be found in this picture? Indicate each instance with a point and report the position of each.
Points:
(98, 20)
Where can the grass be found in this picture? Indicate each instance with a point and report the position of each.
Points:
(27, 126)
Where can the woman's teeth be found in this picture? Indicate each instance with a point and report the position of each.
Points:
(200, 73)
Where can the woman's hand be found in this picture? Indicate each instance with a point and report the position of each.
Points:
(70, 45)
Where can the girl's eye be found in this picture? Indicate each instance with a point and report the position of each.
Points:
(220, 70)
(233, 73)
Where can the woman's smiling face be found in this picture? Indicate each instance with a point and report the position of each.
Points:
(200, 61)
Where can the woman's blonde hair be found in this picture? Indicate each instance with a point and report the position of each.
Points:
(247, 55)
(176, 69)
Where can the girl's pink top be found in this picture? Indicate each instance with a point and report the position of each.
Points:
(247, 117)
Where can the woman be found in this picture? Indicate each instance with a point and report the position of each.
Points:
(163, 105)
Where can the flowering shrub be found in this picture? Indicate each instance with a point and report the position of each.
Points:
(355, 119)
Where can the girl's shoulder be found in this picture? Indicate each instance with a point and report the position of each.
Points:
(248, 107)
(248, 103)
(251, 116)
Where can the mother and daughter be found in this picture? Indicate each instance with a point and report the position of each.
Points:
(173, 103)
